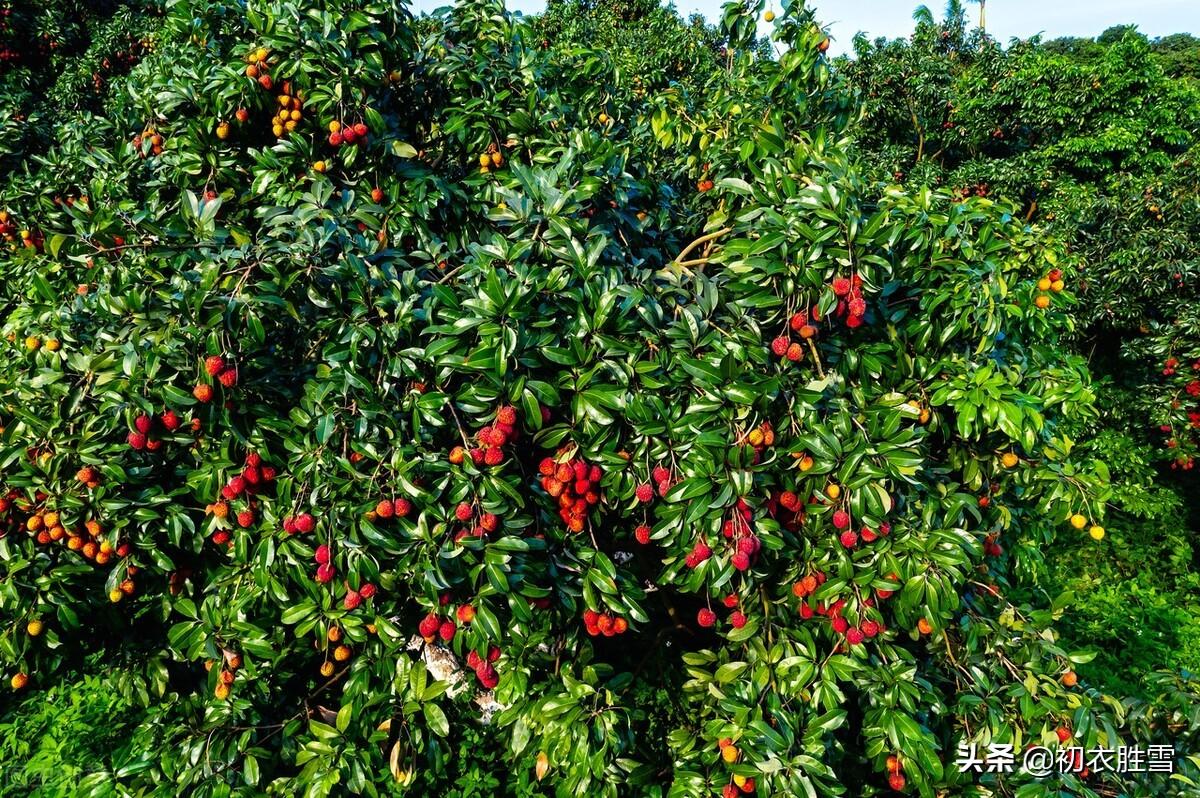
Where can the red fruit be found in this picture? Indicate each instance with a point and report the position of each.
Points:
(795, 353)
(590, 617)
(493, 457)
(220, 538)
(840, 625)
(466, 613)
(214, 365)
(488, 677)
(730, 601)
(446, 631)
(143, 424)
(429, 625)
(377, 195)
(170, 421)
(870, 628)
(360, 129)
(251, 475)
(1063, 733)
(706, 617)
(335, 139)
(806, 611)
(153, 445)
(857, 306)
(349, 135)
(779, 346)
(798, 321)
(245, 519)
(841, 286)
(136, 440)
(305, 523)
(729, 791)
(789, 500)
(854, 637)
(741, 561)
(325, 573)
(868, 535)
(237, 485)
(642, 534)
(474, 660)
(385, 508)
(478, 456)
(352, 600)
(463, 512)
(322, 554)
(841, 519)
(367, 590)
(736, 619)
(547, 467)
(228, 377)
(507, 415)
(849, 539)
(203, 393)
(645, 493)
(748, 786)
(896, 781)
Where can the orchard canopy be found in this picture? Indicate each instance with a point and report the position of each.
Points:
(380, 391)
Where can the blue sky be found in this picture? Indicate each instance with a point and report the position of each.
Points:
(1005, 18)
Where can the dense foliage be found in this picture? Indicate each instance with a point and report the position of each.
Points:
(391, 398)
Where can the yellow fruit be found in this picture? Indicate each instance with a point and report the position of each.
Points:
(769, 16)
(341, 653)
(115, 595)
(485, 159)
(730, 754)
(603, 119)
(19, 680)
(833, 491)
(326, 668)
(289, 125)
(260, 54)
(33, 343)
(223, 131)
(335, 127)
(1008, 459)
(277, 130)
(755, 437)
(806, 463)
(923, 417)
(924, 627)
(739, 780)
(1057, 286)
(1042, 301)
(1078, 521)
(53, 345)
(34, 628)
(319, 166)
(222, 691)
(51, 519)
(497, 159)
(295, 116)
(1097, 532)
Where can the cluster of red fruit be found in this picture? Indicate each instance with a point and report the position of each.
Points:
(434, 626)
(386, 509)
(259, 67)
(602, 623)
(323, 557)
(851, 306)
(244, 488)
(302, 523)
(573, 483)
(346, 133)
(706, 618)
(895, 769)
(783, 346)
(867, 629)
(215, 366)
(490, 440)
(662, 477)
(478, 524)
(786, 508)
(366, 591)
(737, 529)
(148, 142)
(1052, 282)
(147, 430)
(226, 676)
(991, 547)
(485, 670)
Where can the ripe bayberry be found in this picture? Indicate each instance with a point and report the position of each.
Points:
(841, 519)
(795, 353)
(706, 617)
(645, 493)
(446, 631)
(779, 346)
(214, 365)
(136, 440)
(642, 534)
(737, 619)
(463, 512)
